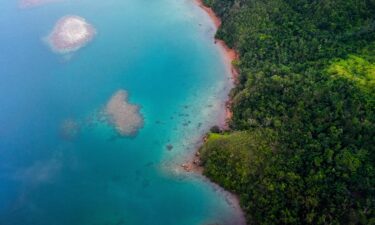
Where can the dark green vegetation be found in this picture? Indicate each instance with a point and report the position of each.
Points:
(302, 145)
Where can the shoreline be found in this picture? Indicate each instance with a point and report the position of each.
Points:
(194, 163)
(229, 55)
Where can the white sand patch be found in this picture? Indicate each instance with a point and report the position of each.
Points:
(70, 34)
(32, 3)
(125, 117)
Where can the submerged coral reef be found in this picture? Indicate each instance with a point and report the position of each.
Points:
(125, 117)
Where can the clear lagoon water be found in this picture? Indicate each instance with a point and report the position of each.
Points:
(161, 52)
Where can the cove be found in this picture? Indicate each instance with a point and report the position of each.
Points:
(61, 163)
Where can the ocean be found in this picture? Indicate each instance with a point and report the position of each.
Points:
(61, 163)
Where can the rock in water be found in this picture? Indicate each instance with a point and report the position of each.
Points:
(169, 147)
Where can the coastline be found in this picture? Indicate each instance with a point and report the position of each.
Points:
(194, 164)
(229, 55)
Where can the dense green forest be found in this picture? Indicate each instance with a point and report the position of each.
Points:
(301, 148)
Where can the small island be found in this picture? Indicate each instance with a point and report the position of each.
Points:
(70, 34)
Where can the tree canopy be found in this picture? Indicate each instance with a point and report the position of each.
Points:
(302, 145)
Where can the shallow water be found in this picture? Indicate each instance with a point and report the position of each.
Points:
(61, 163)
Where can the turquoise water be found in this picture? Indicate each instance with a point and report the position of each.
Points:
(162, 53)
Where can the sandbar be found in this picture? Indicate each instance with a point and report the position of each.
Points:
(70, 34)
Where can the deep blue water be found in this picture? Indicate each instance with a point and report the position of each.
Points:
(162, 53)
